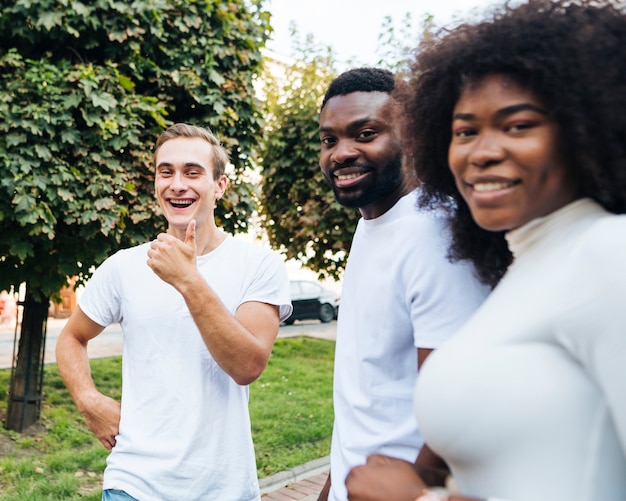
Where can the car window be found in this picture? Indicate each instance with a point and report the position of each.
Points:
(310, 289)
(295, 288)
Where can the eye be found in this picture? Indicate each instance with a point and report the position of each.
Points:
(328, 140)
(463, 132)
(165, 172)
(519, 126)
(366, 134)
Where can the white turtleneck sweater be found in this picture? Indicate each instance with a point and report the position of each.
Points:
(528, 401)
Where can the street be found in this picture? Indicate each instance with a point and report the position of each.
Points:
(109, 342)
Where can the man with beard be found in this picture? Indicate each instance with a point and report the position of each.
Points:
(401, 296)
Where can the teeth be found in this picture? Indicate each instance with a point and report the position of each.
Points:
(493, 186)
(181, 202)
(345, 177)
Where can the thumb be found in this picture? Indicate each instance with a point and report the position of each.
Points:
(190, 235)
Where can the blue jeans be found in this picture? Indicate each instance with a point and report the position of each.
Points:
(116, 495)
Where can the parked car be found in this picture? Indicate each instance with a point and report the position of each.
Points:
(312, 301)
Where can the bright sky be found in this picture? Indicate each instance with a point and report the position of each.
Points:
(351, 27)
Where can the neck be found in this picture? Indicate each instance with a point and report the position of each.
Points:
(208, 238)
(210, 242)
(382, 205)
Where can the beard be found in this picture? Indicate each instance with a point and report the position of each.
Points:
(379, 184)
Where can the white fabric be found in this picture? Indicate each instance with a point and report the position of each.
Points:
(399, 292)
(528, 401)
(185, 427)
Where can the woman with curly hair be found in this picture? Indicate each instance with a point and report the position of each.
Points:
(521, 120)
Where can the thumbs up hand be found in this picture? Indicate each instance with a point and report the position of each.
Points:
(174, 260)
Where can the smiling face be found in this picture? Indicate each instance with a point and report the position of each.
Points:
(504, 155)
(184, 183)
(361, 153)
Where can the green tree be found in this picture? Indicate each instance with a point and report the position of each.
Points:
(301, 216)
(396, 43)
(85, 88)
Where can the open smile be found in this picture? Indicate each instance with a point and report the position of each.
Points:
(489, 186)
(349, 176)
(180, 203)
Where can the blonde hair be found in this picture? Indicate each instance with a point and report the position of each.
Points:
(219, 155)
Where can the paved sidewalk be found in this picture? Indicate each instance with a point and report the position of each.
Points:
(307, 489)
(109, 342)
(303, 482)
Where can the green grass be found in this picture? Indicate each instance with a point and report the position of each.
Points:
(290, 408)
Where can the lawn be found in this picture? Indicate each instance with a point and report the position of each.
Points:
(290, 409)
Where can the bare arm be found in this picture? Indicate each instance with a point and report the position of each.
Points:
(102, 413)
(242, 343)
(383, 478)
(422, 354)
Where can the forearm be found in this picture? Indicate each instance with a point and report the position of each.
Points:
(442, 495)
(101, 413)
(240, 352)
(430, 467)
(73, 364)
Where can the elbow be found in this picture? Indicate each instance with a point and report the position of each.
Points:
(250, 373)
(244, 380)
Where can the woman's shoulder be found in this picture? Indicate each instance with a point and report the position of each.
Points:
(610, 229)
(604, 241)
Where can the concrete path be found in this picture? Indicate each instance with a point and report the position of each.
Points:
(109, 342)
(303, 482)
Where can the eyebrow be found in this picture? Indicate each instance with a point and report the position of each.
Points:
(185, 166)
(503, 112)
(353, 125)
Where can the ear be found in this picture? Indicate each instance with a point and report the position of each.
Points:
(221, 183)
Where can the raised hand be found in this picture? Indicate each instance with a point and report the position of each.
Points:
(171, 259)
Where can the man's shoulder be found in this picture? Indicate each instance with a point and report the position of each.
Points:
(131, 252)
(129, 258)
(417, 220)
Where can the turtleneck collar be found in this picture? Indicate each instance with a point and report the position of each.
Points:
(554, 227)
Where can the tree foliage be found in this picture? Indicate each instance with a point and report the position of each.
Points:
(300, 213)
(85, 88)
(396, 43)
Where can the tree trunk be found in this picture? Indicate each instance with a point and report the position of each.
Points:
(26, 392)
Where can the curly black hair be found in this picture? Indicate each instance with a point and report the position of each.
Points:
(571, 55)
(361, 80)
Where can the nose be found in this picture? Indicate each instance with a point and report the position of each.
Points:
(178, 182)
(343, 152)
(486, 150)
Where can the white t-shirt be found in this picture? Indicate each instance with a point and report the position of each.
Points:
(185, 426)
(400, 293)
(528, 401)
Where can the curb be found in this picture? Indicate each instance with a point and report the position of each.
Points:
(284, 478)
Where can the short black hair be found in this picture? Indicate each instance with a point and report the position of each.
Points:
(361, 80)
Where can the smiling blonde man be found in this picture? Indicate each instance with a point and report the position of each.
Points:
(200, 311)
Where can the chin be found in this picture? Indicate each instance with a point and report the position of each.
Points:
(178, 225)
(495, 224)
